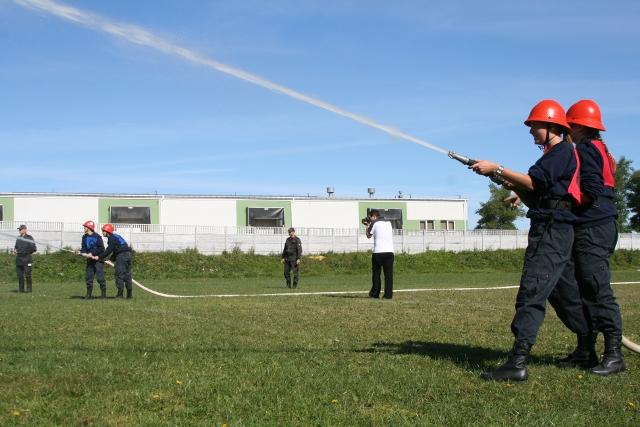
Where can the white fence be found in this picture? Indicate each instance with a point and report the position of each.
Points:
(50, 236)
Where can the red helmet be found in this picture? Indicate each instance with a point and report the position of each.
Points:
(548, 111)
(108, 228)
(90, 225)
(586, 113)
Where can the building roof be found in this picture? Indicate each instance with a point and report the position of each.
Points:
(228, 196)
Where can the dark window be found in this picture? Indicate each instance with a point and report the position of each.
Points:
(130, 214)
(265, 217)
(447, 225)
(1, 213)
(427, 225)
(394, 216)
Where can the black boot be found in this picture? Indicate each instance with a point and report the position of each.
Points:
(584, 356)
(129, 293)
(103, 293)
(89, 292)
(119, 294)
(612, 360)
(515, 368)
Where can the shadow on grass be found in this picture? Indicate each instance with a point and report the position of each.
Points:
(466, 356)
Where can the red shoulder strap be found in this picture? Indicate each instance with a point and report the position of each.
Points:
(608, 163)
(574, 185)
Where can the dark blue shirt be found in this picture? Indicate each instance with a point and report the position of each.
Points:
(551, 176)
(92, 244)
(116, 245)
(599, 209)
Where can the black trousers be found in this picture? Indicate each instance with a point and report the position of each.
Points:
(24, 275)
(290, 266)
(548, 273)
(381, 261)
(123, 270)
(592, 248)
(95, 269)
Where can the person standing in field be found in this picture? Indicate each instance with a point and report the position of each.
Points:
(92, 245)
(382, 257)
(550, 189)
(291, 255)
(24, 247)
(596, 235)
(120, 252)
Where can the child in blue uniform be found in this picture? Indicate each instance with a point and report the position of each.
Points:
(92, 245)
(120, 252)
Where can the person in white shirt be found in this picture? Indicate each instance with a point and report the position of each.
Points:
(382, 256)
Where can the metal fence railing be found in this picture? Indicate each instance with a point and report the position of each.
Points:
(264, 240)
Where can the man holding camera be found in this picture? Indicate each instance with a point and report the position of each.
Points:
(382, 256)
(291, 255)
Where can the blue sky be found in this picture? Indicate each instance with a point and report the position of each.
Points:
(84, 111)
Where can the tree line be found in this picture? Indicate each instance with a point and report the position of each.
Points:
(496, 215)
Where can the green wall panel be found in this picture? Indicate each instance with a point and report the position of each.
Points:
(242, 205)
(7, 208)
(152, 204)
(406, 224)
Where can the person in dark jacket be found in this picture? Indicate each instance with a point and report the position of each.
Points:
(23, 249)
(92, 245)
(550, 189)
(596, 235)
(120, 253)
(291, 255)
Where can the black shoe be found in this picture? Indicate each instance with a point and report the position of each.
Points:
(515, 368)
(612, 360)
(373, 296)
(103, 293)
(584, 356)
(120, 294)
(129, 293)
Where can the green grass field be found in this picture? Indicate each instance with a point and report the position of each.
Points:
(295, 360)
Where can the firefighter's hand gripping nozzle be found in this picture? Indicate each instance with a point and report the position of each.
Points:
(470, 162)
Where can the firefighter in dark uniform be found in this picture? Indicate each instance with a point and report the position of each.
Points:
(120, 253)
(550, 189)
(596, 236)
(291, 255)
(92, 245)
(23, 249)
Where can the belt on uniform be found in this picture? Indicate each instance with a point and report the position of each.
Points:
(564, 205)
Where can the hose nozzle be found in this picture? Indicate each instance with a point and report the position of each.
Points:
(462, 159)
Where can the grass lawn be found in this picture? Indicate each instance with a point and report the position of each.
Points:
(324, 360)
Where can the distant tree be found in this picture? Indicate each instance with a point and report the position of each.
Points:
(633, 200)
(621, 198)
(495, 214)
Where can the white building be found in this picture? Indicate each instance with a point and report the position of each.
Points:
(233, 211)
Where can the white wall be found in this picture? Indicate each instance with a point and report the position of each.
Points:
(324, 214)
(221, 212)
(60, 208)
(437, 209)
